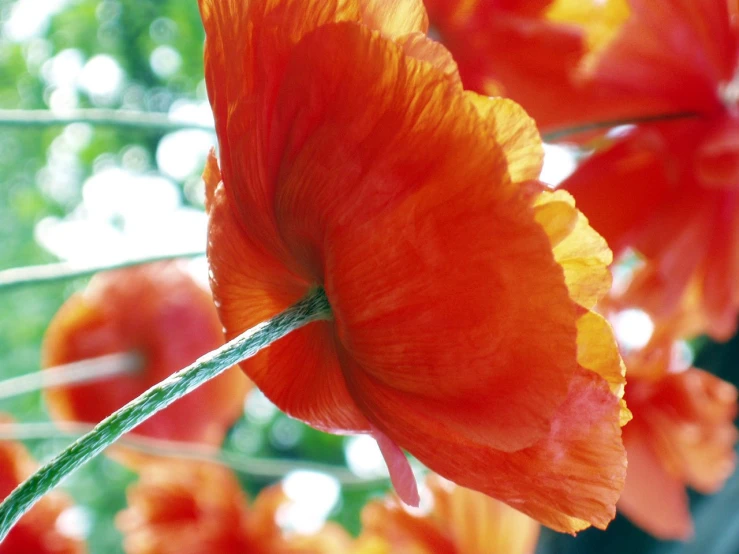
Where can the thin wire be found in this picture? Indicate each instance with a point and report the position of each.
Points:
(83, 371)
(147, 121)
(51, 273)
(268, 469)
(609, 124)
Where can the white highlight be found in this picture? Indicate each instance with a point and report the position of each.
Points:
(633, 328)
(124, 214)
(165, 61)
(31, 18)
(75, 522)
(364, 458)
(258, 408)
(312, 496)
(182, 153)
(102, 77)
(559, 163)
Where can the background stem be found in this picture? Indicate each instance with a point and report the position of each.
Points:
(73, 373)
(560, 134)
(100, 117)
(265, 469)
(50, 273)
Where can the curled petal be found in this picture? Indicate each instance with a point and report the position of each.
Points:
(598, 351)
(578, 248)
(516, 133)
(400, 470)
(580, 467)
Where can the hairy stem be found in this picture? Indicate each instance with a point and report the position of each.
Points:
(313, 307)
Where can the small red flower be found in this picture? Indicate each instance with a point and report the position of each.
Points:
(352, 159)
(682, 435)
(182, 507)
(38, 531)
(159, 312)
(456, 521)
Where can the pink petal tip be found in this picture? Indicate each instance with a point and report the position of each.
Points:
(401, 475)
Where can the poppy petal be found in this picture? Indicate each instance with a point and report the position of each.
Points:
(568, 480)
(395, 18)
(583, 253)
(421, 47)
(401, 474)
(652, 498)
(673, 52)
(377, 270)
(631, 175)
(245, 55)
(455, 520)
(516, 133)
(598, 351)
(300, 372)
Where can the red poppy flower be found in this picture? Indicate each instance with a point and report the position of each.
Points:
(675, 201)
(533, 51)
(38, 531)
(159, 312)
(182, 507)
(682, 435)
(666, 190)
(353, 159)
(457, 521)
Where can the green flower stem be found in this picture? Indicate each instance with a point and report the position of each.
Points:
(267, 469)
(150, 121)
(63, 271)
(313, 307)
(560, 134)
(83, 371)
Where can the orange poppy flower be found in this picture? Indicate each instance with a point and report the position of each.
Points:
(457, 521)
(159, 312)
(38, 531)
(353, 159)
(682, 435)
(182, 507)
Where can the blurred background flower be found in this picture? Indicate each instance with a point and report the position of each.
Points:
(72, 190)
